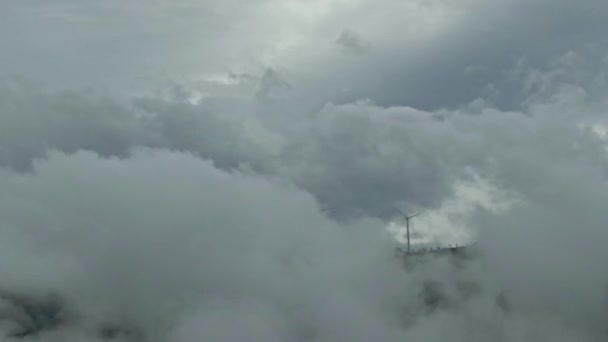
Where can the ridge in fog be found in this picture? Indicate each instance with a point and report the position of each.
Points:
(165, 167)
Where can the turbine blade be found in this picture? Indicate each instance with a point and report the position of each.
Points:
(414, 215)
(400, 212)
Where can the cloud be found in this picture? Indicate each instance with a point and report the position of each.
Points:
(165, 246)
(179, 196)
(394, 155)
(34, 121)
(422, 50)
(37, 121)
(351, 41)
(162, 235)
(258, 260)
(269, 84)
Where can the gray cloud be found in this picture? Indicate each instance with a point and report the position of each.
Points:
(352, 41)
(270, 84)
(177, 240)
(351, 154)
(421, 51)
(394, 155)
(193, 211)
(34, 121)
(423, 63)
(168, 246)
(125, 44)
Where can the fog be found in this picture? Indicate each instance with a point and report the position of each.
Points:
(166, 170)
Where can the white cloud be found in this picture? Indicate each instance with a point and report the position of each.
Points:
(450, 224)
(153, 237)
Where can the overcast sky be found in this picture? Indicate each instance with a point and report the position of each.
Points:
(163, 165)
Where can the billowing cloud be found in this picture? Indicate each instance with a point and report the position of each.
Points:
(179, 197)
(161, 235)
(165, 246)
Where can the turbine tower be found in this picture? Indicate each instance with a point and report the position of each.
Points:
(407, 226)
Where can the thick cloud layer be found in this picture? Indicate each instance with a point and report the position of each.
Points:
(165, 246)
(181, 196)
(161, 235)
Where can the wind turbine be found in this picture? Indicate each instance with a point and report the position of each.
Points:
(407, 226)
